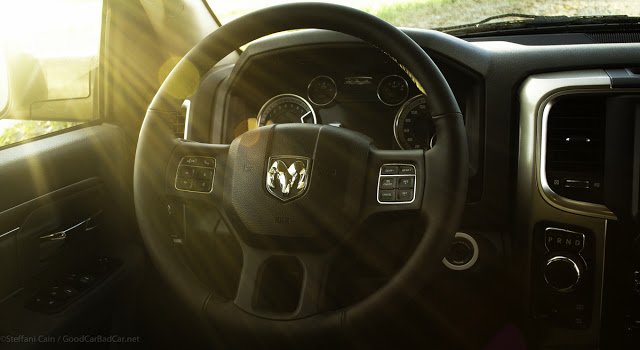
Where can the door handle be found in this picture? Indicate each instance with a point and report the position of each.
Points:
(58, 236)
(85, 225)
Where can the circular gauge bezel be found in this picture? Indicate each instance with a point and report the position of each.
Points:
(388, 77)
(334, 94)
(409, 103)
(275, 100)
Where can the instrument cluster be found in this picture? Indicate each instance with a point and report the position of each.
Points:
(390, 94)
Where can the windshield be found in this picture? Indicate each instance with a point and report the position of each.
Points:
(431, 14)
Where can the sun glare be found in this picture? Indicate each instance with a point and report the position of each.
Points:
(35, 26)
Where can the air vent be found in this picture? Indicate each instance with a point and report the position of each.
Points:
(575, 147)
(182, 119)
(613, 38)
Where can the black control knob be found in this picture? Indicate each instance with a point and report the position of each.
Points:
(563, 273)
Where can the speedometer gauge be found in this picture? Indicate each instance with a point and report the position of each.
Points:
(286, 108)
(413, 127)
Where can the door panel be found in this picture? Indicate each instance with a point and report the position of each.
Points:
(8, 264)
(36, 168)
(66, 225)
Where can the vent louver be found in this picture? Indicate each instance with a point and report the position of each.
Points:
(575, 147)
(181, 120)
(610, 38)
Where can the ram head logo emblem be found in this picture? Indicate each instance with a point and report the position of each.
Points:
(287, 177)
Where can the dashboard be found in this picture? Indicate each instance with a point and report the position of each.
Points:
(548, 150)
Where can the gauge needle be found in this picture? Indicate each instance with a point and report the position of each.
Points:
(304, 116)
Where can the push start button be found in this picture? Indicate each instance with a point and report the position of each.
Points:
(462, 254)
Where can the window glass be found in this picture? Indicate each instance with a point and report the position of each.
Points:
(4, 84)
(51, 53)
(12, 131)
(445, 13)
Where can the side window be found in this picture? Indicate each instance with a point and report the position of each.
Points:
(49, 65)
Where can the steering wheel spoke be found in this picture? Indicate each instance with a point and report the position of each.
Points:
(281, 285)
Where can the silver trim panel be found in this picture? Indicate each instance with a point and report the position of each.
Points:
(187, 106)
(604, 260)
(537, 95)
(9, 232)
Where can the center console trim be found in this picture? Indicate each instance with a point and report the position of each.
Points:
(537, 96)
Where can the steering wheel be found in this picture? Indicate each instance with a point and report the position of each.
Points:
(298, 191)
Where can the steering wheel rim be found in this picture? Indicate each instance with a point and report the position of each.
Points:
(445, 166)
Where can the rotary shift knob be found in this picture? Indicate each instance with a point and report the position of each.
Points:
(562, 272)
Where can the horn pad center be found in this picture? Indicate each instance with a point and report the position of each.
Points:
(296, 181)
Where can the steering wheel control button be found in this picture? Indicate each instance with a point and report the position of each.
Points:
(207, 162)
(405, 182)
(397, 189)
(204, 174)
(198, 176)
(387, 195)
(388, 183)
(186, 172)
(389, 170)
(190, 161)
(407, 170)
(405, 195)
(184, 184)
(203, 186)
(463, 253)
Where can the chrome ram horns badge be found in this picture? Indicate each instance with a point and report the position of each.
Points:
(287, 177)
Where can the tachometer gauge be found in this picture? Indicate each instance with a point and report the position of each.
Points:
(286, 108)
(322, 90)
(413, 127)
(392, 90)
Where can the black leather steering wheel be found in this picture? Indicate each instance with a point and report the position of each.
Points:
(340, 190)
